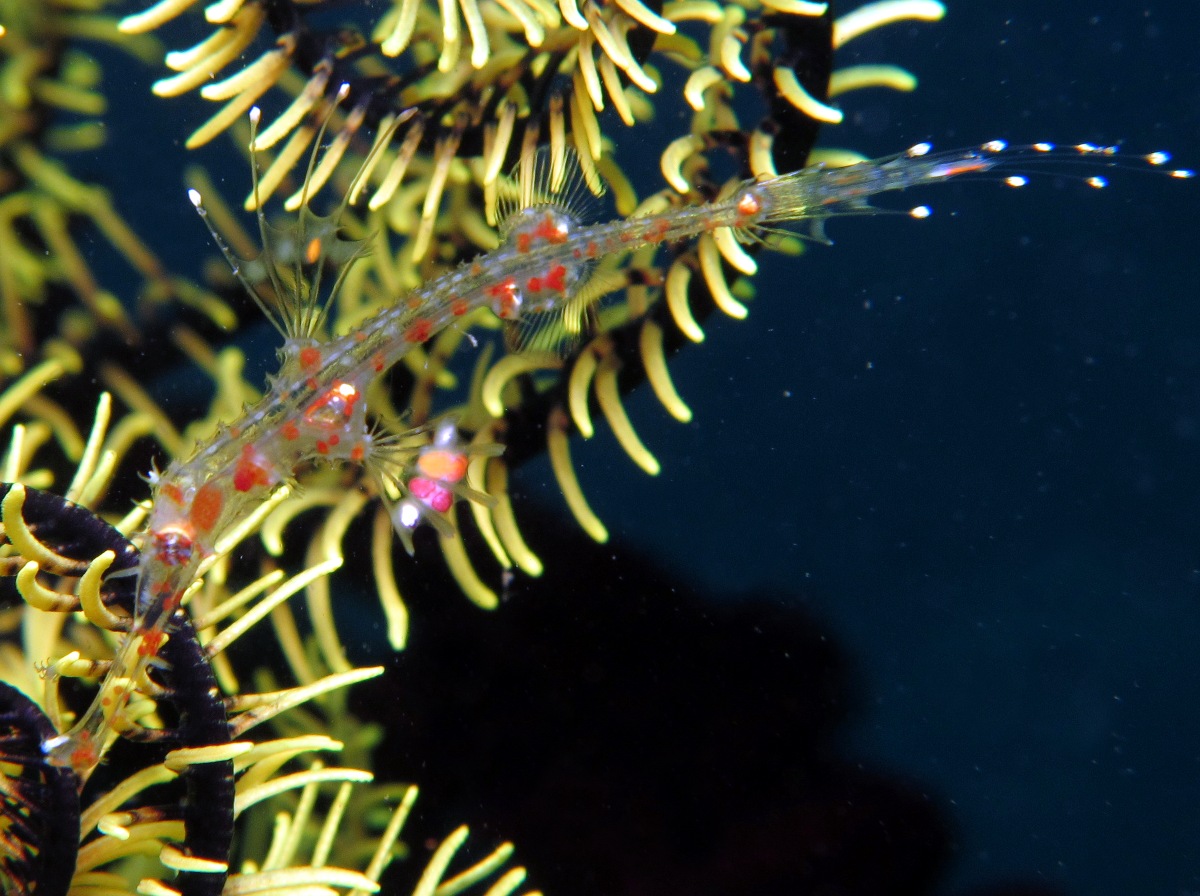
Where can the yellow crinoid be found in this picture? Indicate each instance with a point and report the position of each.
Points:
(432, 175)
(218, 763)
(52, 106)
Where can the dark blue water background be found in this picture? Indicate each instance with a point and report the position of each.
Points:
(969, 444)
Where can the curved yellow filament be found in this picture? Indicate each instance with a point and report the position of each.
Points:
(214, 53)
(91, 451)
(476, 479)
(438, 863)
(559, 448)
(732, 251)
(90, 599)
(460, 567)
(876, 15)
(153, 17)
(25, 542)
(506, 521)
(247, 798)
(727, 44)
(505, 371)
(677, 152)
(698, 82)
(793, 91)
(679, 278)
(17, 395)
(614, 411)
(579, 384)
(612, 83)
(654, 360)
(710, 267)
(860, 77)
(256, 613)
(177, 860)
(39, 596)
(268, 706)
(394, 610)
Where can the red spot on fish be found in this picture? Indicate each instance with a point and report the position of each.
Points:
(151, 643)
(310, 358)
(524, 241)
(556, 278)
(172, 492)
(357, 453)
(431, 493)
(507, 300)
(419, 331)
(534, 284)
(290, 432)
(206, 506)
(322, 448)
(334, 407)
(552, 231)
(377, 362)
(252, 469)
(458, 307)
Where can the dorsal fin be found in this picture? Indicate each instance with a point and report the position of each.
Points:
(542, 179)
(542, 203)
(294, 256)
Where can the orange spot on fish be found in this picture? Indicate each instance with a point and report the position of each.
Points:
(206, 506)
(312, 251)
(447, 466)
(458, 307)
(290, 431)
(151, 643)
(357, 453)
(748, 205)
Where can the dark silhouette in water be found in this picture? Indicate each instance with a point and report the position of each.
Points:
(633, 736)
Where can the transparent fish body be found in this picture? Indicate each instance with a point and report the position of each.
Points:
(315, 408)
